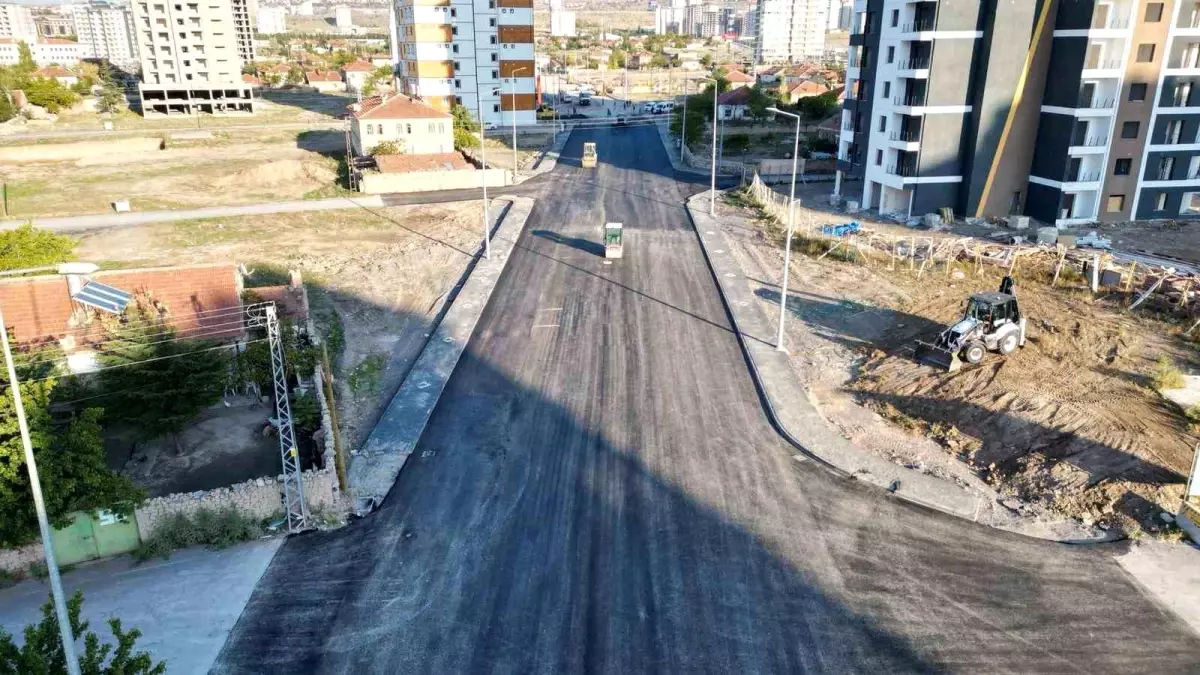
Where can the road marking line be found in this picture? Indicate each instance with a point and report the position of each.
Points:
(547, 325)
(551, 309)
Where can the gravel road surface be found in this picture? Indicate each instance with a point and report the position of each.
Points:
(599, 490)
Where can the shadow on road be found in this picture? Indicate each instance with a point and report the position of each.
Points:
(585, 245)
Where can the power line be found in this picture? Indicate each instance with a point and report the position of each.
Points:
(194, 316)
(208, 331)
(143, 361)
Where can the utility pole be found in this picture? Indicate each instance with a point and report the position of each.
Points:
(294, 504)
(39, 505)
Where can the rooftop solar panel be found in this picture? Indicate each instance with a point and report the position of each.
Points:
(102, 296)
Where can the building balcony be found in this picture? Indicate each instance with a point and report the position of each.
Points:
(1097, 69)
(906, 140)
(917, 68)
(1090, 145)
(921, 29)
(1163, 179)
(1188, 23)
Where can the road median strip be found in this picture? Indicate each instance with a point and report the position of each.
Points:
(375, 467)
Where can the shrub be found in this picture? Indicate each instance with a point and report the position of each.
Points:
(1165, 375)
(28, 246)
(219, 528)
(388, 148)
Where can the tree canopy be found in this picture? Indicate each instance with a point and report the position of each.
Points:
(28, 246)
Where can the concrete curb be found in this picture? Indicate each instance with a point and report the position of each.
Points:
(375, 467)
(672, 148)
(788, 404)
(549, 158)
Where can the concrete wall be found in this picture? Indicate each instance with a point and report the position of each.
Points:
(18, 560)
(425, 181)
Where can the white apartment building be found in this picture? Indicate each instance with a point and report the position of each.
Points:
(342, 17)
(272, 20)
(105, 31)
(477, 53)
(303, 9)
(16, 22)
(790, 31)
(243, 29)
(46, 52)
(562, 23)
(191, 56)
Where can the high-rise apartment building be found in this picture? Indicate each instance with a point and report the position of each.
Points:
(562, 21)
(16, 22)
(477, 53)
(243, 29)
(271, 20)
(790, 31)
(105, 31)
(1069, 112)
(192, 54)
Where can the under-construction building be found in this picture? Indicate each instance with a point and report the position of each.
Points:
(192, 55)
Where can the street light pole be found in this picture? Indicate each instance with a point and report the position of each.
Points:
(712, 202)
(39, 505)
(487, 243)
(513, 112)
(787, 251)
(683, 123)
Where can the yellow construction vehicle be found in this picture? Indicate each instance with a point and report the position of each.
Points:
(589, 155)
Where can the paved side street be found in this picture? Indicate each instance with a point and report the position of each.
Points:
(184, 606)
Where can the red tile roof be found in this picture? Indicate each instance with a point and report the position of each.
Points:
(809, 88)
(53, 71)
(358, 67)
(739, 96)
(40, 307)
(395, 108)
(431, 162)
(250, 79)
(322, 76)
(738, 76)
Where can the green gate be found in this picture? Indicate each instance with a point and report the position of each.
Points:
(92, 535)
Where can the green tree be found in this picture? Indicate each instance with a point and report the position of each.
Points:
(465, 127)
(28, 246)
(818, 107)
(758, 103)
(381, 74)
(7, 110)
(706, 60)
(42, 652)
(112, 97)
(737, 143)
(49, 94)
(71, 458)
(659, 61)
(25, 63)
(295, 75)
(388, 148)
(695, 121)
(341, 58)
(155, 381)
(616, 59)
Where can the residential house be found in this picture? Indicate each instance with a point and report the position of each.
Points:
(63, 76)
(438, 161)
(355, 74)
(380, 59)
(769, 75)
(45, 52)
(733, 104)
(804, 90)
(737, 79)
(416, 127)
(251, 80)
(324, 81)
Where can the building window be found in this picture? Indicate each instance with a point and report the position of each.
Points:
(1160, 202)
(891, 54)
(1116, 203)
(454, 49)
(895, 18)
(495, 74)
(1145, 53)
(1154, 11)
(882, 124)
(454, 31)
(1122, 166)
(1014, 204)
(1130, 129)
(491, 23)
(496, 108)
(458, 100)
(458, 85)
(878, 158)
(492, 39)
(491, 4)
(454, 12)
(1137, 91)
(457, 65)
(408, 129)
(887, 90)
(369, 133)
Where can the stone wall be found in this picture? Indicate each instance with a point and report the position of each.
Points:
(260, 499)
(374, 182)
(17, 560)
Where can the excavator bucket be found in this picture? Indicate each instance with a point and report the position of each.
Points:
(939, 357)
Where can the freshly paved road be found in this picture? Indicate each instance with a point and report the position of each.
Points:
(600, 491)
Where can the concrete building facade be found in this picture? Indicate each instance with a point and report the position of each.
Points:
(477, 53)
(48, 51)
(1069, 111)
(790, 31)
(105, 31)
(16, 22)
(417, 128)
(191, 55)
(272, 20)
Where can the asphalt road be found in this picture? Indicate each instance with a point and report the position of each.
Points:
(599, 490)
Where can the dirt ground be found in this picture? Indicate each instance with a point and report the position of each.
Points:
(377, 279)
(230, 168)
(1068, 425)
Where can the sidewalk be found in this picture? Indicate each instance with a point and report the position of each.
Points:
(185, 606)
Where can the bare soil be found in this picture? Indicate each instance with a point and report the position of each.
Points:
(1067, 426)
(378, 277)
(75, 178)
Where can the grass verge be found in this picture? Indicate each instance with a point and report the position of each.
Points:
(212, 528)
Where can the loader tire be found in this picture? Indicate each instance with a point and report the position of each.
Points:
(1009, 344)
(974, 352)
